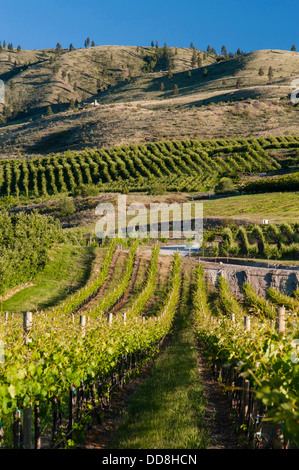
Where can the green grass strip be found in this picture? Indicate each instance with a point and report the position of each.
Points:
(69, 268)
(167, 410)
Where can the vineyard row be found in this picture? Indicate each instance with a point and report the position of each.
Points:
(188, 164)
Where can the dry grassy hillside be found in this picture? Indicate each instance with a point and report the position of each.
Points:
(42, 78)
(234, 97)
(225, 80)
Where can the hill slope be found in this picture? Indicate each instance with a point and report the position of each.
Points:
(35, 79)
(245, 76)
(136, 99)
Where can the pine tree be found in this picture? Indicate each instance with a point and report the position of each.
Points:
(71, 47)
(152, 44)
(223, 51)
(261, 71)
(175, 89)
(19, 49)
(58, 48)
(293, 48)
(93, 44)
(194, 59)
(72, 105)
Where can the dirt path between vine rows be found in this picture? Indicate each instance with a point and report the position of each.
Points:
(219, 419)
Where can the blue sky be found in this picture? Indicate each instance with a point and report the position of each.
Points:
(251, 25)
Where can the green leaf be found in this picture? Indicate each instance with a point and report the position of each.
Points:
(12, 391)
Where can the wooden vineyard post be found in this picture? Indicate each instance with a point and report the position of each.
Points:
(37, 436)
(80, 400)
(56, 418)
(82, 324)
(27, 325)
(1, 433)
(17, 429)
(27, 413)
(72, 406)
(280, 320)
(109, 318)
(246, 399)
(27, 427)
(247, 323)
(232, 317)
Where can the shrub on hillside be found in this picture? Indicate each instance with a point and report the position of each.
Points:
(225, 185)
(85, 190)
(66, 208)
(157, 189)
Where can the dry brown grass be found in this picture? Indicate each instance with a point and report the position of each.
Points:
(138, 111)
(80, 73)
(128, 123)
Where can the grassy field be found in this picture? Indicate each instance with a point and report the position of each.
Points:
(277, 207)
(68, 269)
